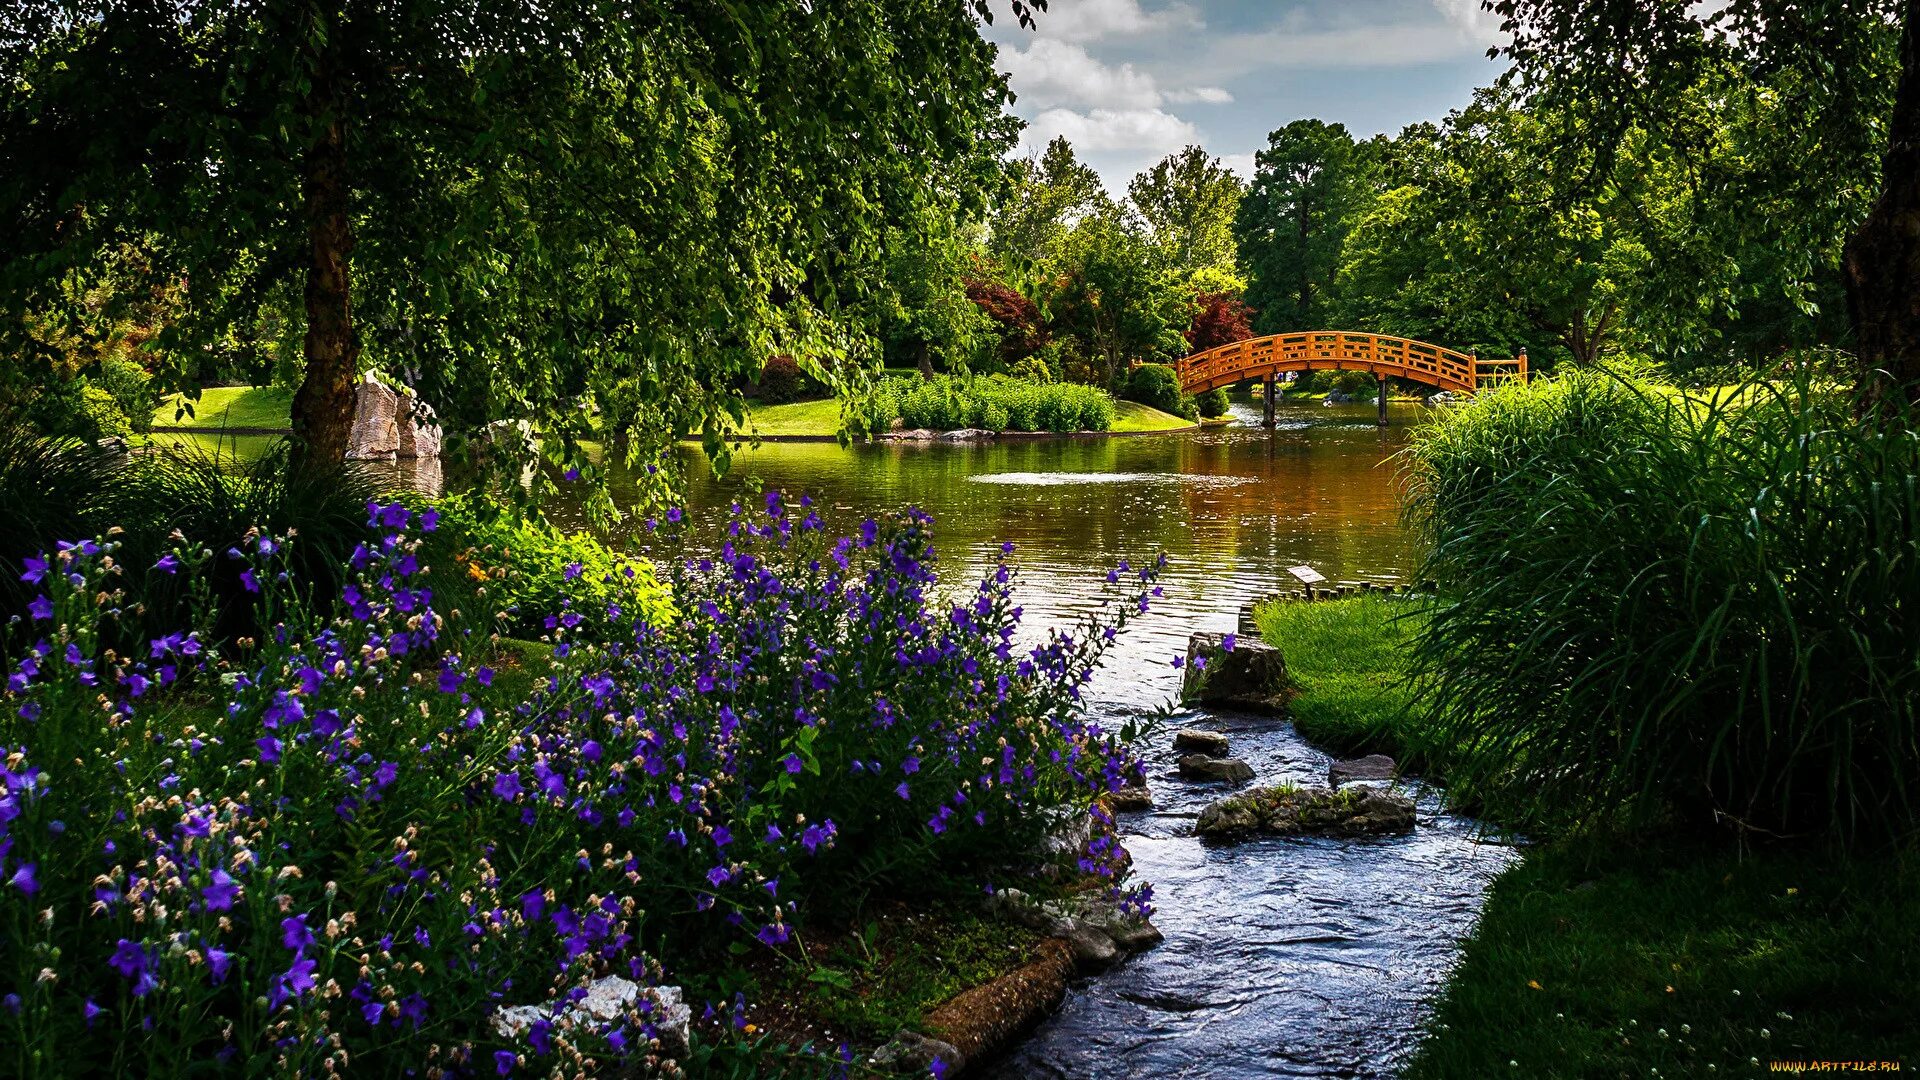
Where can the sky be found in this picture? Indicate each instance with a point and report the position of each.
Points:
(1131, 81)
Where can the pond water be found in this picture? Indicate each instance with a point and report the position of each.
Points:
(1283, 957)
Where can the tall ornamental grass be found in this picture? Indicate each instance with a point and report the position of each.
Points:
(995, 402)
(341, 847)
(1656, 604)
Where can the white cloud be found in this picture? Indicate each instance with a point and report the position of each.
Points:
(1241, 165)
(1143, 133)
(1050, 73)
(1358, 47)
(1480, 25)
(1206, 95)
(1096, 20)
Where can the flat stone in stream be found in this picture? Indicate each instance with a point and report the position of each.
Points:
(1219, 770)
(1197, 741)
(1131, 797)
(1251, 676)
(910, 1053)
(1374, 767)
(1092, 924)
(1310, 811)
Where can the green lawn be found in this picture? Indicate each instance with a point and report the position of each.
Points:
(1678, 958)
(1133, 416)
(231, 407)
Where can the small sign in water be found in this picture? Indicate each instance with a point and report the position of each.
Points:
(1307, 574)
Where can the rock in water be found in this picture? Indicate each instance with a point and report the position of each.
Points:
(1375, 767)
(1251, 676)
(1226, 770)
(1131, 797)
(376, 429)
(1295, 811)
(419, 434)
(1196, 741)
(966, 435)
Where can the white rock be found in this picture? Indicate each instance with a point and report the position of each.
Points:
(376, 430)
(607, 999)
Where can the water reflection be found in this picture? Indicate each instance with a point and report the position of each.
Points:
(1283, 958)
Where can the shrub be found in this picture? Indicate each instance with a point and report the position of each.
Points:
(1219, 318)
(358, 834)
(1032, 369)
(131, 389)
(1155, 385)
(1212, 403)
(1356, 384)
(1664, 604)
(783, 380)
(997, 402)
(528, 574)
(100, 415)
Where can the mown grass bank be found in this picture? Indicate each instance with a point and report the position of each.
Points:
(1652, 953)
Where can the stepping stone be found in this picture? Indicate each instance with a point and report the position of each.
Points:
(1285, 810)
(1224, 770)
(1131, 797)
(1374, 767)
(1196, 741)
(1251, 676)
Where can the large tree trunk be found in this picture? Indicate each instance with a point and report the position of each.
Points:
(323, 406)
(1883, 255)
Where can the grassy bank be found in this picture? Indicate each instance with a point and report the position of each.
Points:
(1615, 959)
(1637, 955)
(1347, 661)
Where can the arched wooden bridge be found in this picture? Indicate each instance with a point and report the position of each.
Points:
(1329, 350)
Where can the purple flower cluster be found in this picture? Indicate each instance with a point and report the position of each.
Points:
(292, 852)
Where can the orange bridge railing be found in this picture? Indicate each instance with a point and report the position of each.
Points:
(1325, 350)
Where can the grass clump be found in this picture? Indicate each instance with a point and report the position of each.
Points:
(1348, 661)
(1661, 605)
(994, 402)
(1608, 959)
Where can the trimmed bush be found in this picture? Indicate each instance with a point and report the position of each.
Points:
(1659, 604)
(101, 416)
(1156, 385)
(1212, 403)
(131, 388)
(782, 380)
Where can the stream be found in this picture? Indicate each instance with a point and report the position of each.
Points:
(1283, 957)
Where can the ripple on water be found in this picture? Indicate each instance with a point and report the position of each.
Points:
(1064, 479)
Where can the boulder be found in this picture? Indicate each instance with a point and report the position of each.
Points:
(376, 429)
(965, 435)
(419, 433)
(911, 435)
(1130, 797)
(1197, 741)
(1251, 675)
(1294, 811)
(1092, 924)
(1220, 770)
(1373, 767)
(910, 1053)
(607, 999)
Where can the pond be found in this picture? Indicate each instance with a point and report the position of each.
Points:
(1283, 957)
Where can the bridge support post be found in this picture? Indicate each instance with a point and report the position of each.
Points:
(1271, 394)
(1383, 401)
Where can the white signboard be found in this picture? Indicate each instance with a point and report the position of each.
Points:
(1307, 574)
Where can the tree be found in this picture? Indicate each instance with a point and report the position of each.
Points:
(1187, 201)
(1048, 195)
(1114, 300)
(1220, 318)
(1609, 66)
(596, 216)
(1308, 186)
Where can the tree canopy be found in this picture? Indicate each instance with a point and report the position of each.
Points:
(599, 217)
